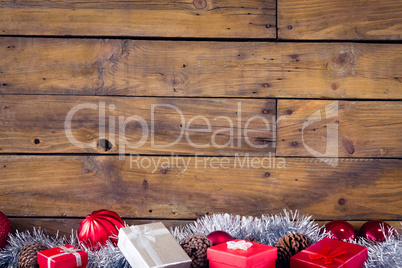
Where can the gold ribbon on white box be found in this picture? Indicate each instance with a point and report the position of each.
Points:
(66, 251)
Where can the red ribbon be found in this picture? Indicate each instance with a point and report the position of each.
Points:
(329, 257)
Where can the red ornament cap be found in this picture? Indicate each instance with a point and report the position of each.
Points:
(97, 228)
(219, 237)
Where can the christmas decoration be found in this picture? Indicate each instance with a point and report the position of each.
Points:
(330, 253)
(252, 239)
(151, 245)
(290, 244)
(27, 255)
(385, 254)
(196, 248)
(5, 229)
(66, 256)
(9, 255)
(98, 227)
(375, 230)
(219, 237)
(340, 230)
(242, 254)
(266, 229)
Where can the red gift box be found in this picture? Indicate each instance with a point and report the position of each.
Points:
(256, 256)
(330, 253)
(62, 257)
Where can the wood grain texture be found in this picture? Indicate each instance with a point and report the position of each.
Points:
(156, 18)
(358, 224)
(64, 226)
(72, 186)
(139, 4)
(340, 20)
(70, 124)
(352, 128)
(200, 69)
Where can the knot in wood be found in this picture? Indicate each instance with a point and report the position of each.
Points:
(200, 4)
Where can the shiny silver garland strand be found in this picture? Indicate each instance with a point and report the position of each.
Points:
(266, 230)
(385, 254)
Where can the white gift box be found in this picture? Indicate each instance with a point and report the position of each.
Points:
(151, 245)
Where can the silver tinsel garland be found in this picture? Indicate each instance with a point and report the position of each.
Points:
(266, 230)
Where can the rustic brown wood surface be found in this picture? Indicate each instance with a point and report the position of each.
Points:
(156, 18)
(200, 69)
(340, 19)
(64, 226)
(354, 128)
(73, 186)
(38, 124)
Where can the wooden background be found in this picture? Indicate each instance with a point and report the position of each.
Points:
(279, 60)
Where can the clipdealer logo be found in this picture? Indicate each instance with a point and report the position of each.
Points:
(237, 132)
(201, 161)
(331, 142)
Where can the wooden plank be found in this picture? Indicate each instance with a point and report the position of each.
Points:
(136, 4)
(200, 69)
(340, 20)
(339, 128)
(156, 18)
(70, 124)
(64, 226)
(358, 224)
(72, 186)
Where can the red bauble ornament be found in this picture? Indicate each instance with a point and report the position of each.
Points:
(340, 230)
(98, 226)
(5, 229)
(372, 230)
(219, 237)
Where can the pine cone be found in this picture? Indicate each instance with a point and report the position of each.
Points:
(290, 244)
(252, 239)
(196, 248)
(27, 256)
